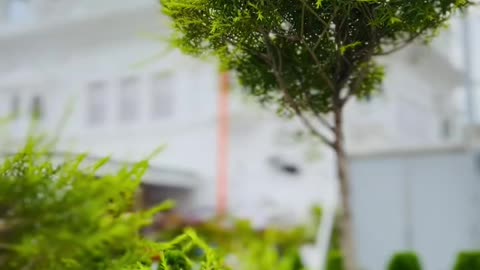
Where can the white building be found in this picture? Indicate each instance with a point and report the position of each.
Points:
(103, 67)
(425, 198)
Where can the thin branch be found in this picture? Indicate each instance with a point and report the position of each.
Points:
(302, 21)
(395, 49)
(319, 64)
(314, 13)
(325, 30)
(324, 121)
(253, 52)
(299, 113)
(409, 40)
(319, 117)
(290, 100)
(315, 131)
(354, 87)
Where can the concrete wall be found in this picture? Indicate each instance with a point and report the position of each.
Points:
(426, 201)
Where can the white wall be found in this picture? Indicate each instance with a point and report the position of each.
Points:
(423, 200)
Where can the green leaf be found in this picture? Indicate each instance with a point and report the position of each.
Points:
(343, 49)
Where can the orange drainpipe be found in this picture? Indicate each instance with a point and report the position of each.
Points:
(222, 144)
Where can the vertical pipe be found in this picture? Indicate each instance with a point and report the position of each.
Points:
(467, 56)
(408, 204)
(222, 145)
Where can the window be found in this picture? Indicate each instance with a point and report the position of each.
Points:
(161, 96)
(128, 104)
(14, 109)
(37, 108)
(446, 129)
(96, 103)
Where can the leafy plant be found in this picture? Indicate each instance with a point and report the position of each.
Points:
(405, 261)
(247, 248)
(308, 57)
(335, 260)
(66, 216)
(250, 249)
(468, 261)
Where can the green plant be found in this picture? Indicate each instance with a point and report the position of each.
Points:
(335, 260)
(405, 261)
(65, 216)
(308, 57)
(468, 260)
(247, 248)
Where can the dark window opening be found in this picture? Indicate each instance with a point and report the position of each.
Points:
(15, 107)
(37, 109)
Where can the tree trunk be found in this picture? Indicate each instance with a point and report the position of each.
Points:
(346, 223)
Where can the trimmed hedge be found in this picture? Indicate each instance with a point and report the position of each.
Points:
(468, 260)
(405, 261)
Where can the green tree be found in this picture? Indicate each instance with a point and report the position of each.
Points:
(308, 56)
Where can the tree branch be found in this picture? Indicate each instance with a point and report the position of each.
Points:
(324, 121)
(398, 48)
(359, 80)
(315, 131)
(322, 73)
(314, 13)
(290, 101)
(409, 40)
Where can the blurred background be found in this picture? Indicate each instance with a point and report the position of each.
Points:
(101, 77)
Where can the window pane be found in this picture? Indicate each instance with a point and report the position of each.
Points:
(96, 103)
(14, 106)
(37, 108)
(162, 96)
(128, 100)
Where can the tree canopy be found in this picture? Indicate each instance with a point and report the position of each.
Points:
(301, 53)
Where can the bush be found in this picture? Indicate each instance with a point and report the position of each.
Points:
(248, 248)
(335, 260)
(66, 217)
(468, 261)
(405, 261)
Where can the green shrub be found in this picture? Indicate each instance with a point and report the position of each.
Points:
(468, 261)
(66, 217)
(251, 249)
(335, 260)
(248, 248)
(405, 261)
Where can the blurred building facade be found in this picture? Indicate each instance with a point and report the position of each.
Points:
(425, 197)
(423, 200)
(104, 69)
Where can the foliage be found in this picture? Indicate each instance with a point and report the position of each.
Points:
(335, 260)
(405, 261)
(247, 248)
(468, 261)
(301, 53)
(64, 216)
